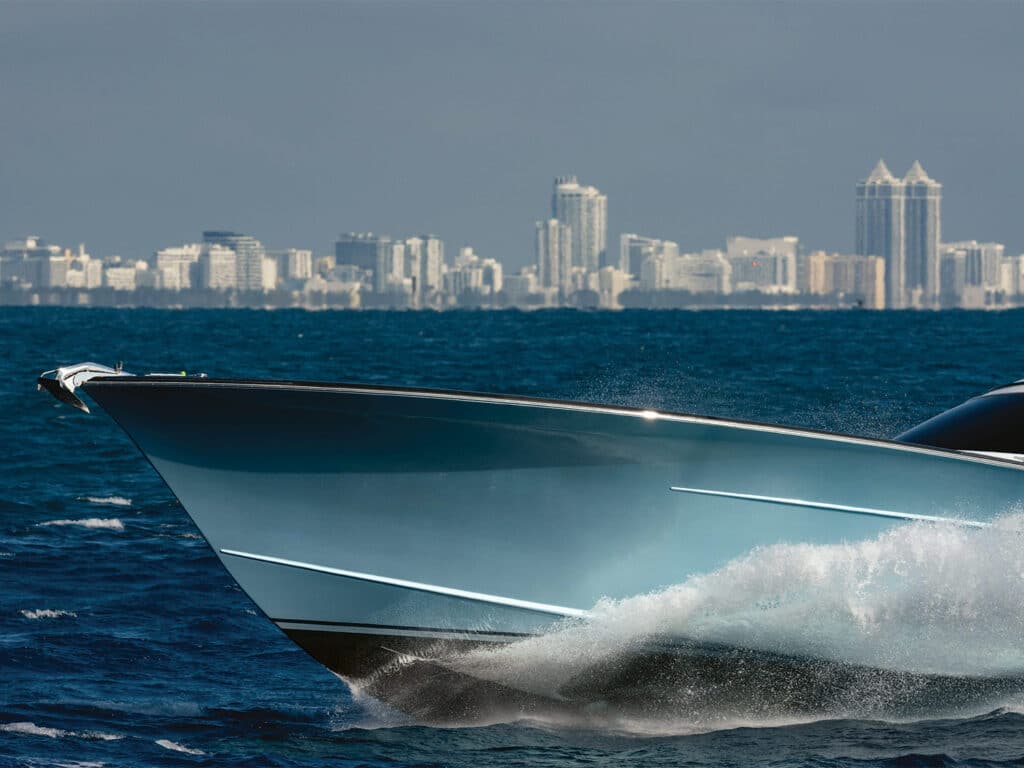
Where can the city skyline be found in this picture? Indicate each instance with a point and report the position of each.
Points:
(899, 262)
(697, 119)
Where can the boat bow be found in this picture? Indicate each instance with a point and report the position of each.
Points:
(62, 382)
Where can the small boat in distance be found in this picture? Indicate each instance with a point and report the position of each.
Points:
(372, 523)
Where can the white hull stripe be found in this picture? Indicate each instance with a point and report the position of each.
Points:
(431, 634)
(831, 507)
(461, 594)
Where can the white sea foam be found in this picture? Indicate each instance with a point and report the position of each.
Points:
(31, 729)
(47, 613)
(921, 599)
(109, 523)
(114, 501)
(175, 747)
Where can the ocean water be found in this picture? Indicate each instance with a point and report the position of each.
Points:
(123, 642)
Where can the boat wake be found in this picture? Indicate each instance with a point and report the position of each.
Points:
(924, 620)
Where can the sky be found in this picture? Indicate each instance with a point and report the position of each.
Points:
(135, 126)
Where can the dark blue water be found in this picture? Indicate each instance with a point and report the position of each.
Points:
(123, 642)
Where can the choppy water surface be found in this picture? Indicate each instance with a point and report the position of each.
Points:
(123, 642)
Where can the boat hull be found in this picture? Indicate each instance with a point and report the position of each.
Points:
(371, 522)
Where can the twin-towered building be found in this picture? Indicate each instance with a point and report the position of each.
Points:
(900, 220)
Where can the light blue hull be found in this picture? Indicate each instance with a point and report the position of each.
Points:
(353, 510)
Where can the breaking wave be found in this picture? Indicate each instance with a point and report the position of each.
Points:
(922, 616)
(115, 501)
(31, 729)
(175, 747)
(109, 523)
(47, 613)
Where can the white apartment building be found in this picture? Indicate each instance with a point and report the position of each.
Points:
(767, 265)
(217, 268)
(249, 253)
(553, 250)
(179, 259)
(585, 211)
(298, 264)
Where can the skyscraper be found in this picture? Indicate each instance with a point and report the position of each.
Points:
(923, 224)
(554, 254)
(901, 221)
(584, 210)
(880, 228)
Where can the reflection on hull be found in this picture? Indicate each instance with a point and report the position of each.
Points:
(392, 533)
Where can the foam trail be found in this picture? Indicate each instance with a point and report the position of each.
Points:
(109, 523)
(920, 599)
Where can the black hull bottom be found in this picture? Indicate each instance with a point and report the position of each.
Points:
(677, 681)
(408, 673)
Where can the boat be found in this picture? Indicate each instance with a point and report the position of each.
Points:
(374, 525)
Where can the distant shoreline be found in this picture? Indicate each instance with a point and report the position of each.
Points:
(255, 304)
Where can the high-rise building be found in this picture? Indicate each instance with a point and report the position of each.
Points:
(122, 277)
(923, 225)
(521, 289)
(857, 278)
(31, 262)
(359, 249)
(431, 264)
(585, 211)
(269, 271)
(704, 272)
(901, 221)
(869, 281)
(982, 262)
(180, 259)
(249, 254)
(466, 275)
(217, 268)
(611, 283)
(763, 264)
(424, 264)
(953, 278)
(493, 275)
(554, 255)
(634, 250)
(389, 269)
(880, 228)
(298, 264)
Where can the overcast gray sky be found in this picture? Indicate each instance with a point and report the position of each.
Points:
(132, 126)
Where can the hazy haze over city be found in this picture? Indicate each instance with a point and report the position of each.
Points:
(135, 126)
